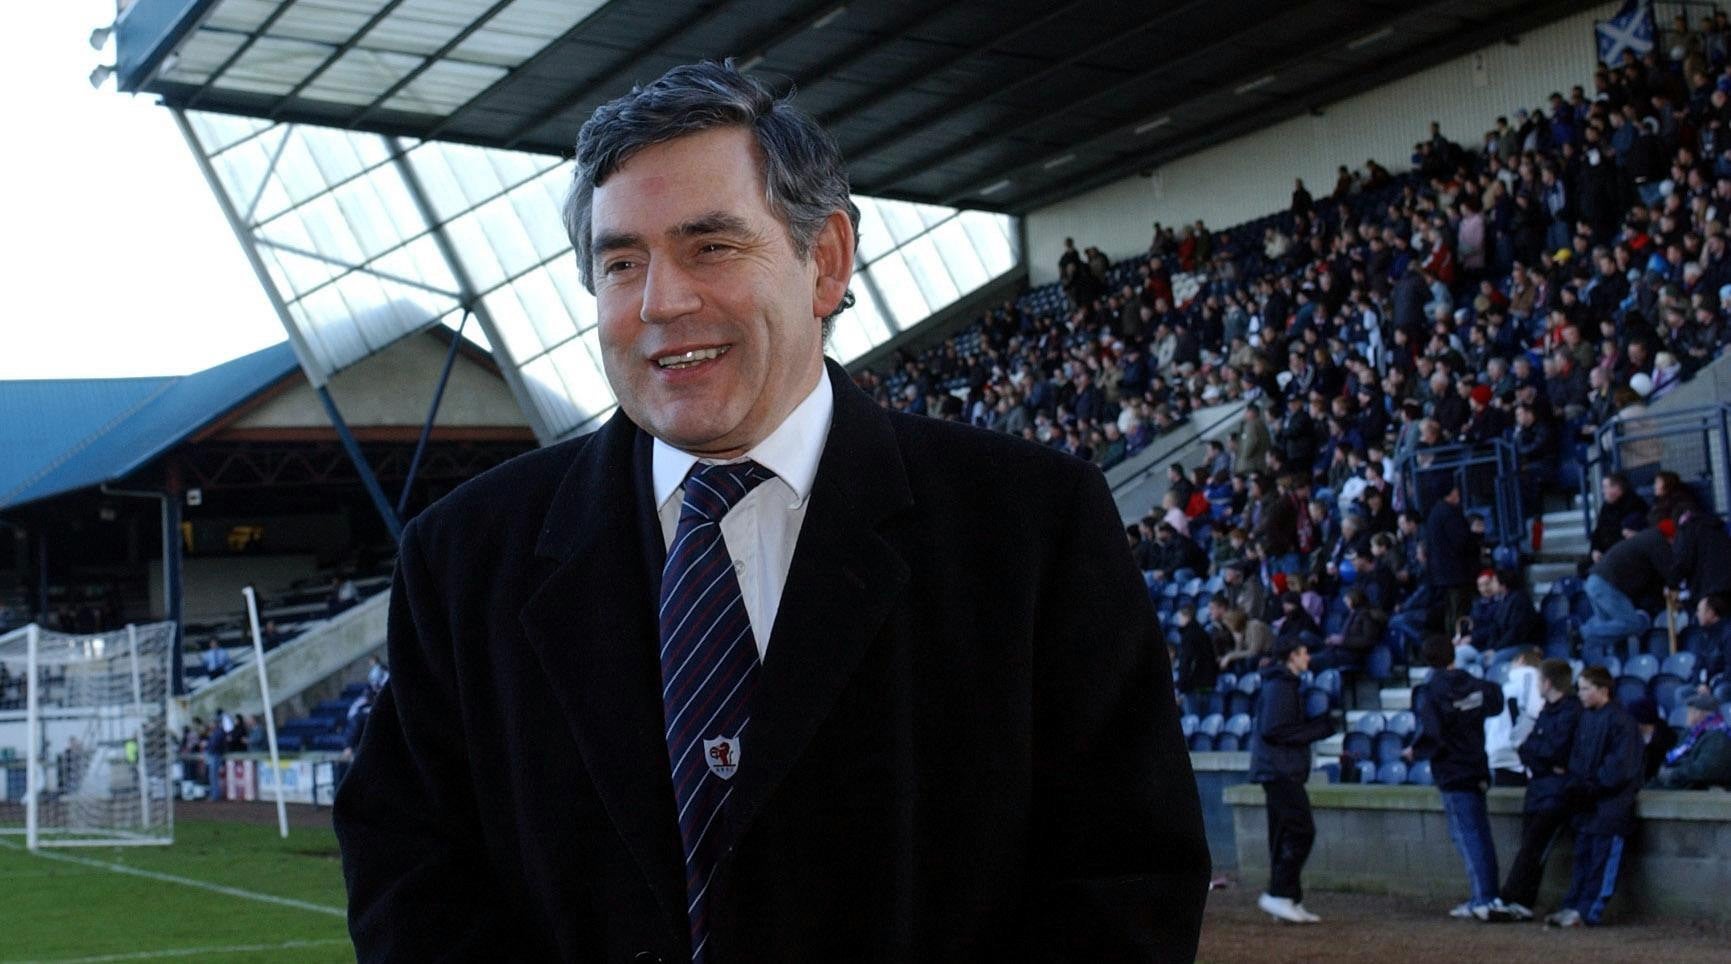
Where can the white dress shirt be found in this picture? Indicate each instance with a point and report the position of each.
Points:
(762, 530)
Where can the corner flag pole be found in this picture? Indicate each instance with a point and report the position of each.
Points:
(269, 714)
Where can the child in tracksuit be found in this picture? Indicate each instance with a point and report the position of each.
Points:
(1605, 770)
(1545, 755)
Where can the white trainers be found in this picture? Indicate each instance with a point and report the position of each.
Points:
(1567, 917)
(1495, 912)
(1462, 911)
(1305, 913)
(1519, 912)
(1281, 908)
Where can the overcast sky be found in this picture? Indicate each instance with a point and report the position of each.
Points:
(115, 259)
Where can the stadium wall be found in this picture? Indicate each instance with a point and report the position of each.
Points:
(1252, 176)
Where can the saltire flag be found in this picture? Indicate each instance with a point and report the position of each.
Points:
(1631, 29)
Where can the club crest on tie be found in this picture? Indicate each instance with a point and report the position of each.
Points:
(722, 756)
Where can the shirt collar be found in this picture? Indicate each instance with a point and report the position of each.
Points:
(791, 451)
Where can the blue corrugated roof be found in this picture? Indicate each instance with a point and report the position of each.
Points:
(60, 435)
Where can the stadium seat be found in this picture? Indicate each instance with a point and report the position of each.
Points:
(1679, 717)
(1211, 725)
(1667, 690)
(1329, 682)
(1332, 771)
(1225, 682)
(1628, 689)
(1188, 723)
(1238, 725)
(1419, 773)
(1555, 609)
(1249, 683)
(1379, 665)
(1227, 743)
(1366, 771)
(1370, 724)
(1239, 704)
(1680, 664)
(1612, 665)
(1316, 702)
(1358, 745)
(1388, 747)
(1643, 667)
(1657, 642)
(1403, 722)
(1392, 773)
(1201, 742)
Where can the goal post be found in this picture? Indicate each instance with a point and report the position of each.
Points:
(85, 744)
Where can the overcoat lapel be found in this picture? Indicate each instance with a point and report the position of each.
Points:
(843, 581)
(592, 625)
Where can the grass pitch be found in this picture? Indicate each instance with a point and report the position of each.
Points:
(277, 900)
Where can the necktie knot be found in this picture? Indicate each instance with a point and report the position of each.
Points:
(711, 491)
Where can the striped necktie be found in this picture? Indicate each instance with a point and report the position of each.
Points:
(708, 670)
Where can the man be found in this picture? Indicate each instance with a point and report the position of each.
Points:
(1280, 761)
(1700, 553)
(1702, 758)
(1710, 613)
(1508, 620)
(1506, 731)
(1253, 440)
(1176, 555)
(1197, 669)
(1544, 814)
(580, 756)
(1619, 501)
(1450, 555)
(1604, 774)
(1634, 568)
(1451, 735)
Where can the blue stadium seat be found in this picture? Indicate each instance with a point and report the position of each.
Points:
(1392, 773)
(1316, 702)
(1366, 771)
(1238, 725)
(1679, 717)
(1419, 773)
(1358, 745)
(1388, 747)
(1379, 665)
(1555, 609)
(1643, 667)
(1227, 743)
(1370, 724)
(1667, 690)
(1680, 664)
(1201, 742)
(1498, 673)
(1211, 725)
(1332, 771)
(329, 742)
(1657, 641)
(1612, 665)
(1226, 682)
(1329, 682)
(1188, 723)
(1249, 683)
(1628, 689)
(1403, 722)
(1239, 704)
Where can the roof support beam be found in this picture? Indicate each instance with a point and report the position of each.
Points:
(276, 109)
(887, 90)
(239, 52)
(863, 50)
(428, 61)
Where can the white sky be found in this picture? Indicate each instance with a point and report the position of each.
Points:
(114, 259)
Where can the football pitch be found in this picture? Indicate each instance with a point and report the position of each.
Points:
(225, 890)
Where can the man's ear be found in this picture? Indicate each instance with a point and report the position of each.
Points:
(832, 254)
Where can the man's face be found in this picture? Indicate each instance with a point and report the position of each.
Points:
(689, 258)
(1704, 614)
(1487, 586)
(1592, 697)
(1299, 661)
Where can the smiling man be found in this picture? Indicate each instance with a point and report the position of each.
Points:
(757, 671)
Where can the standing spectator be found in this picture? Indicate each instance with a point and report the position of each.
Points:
(1450, 555)
(1506, 731)
(1702, 758)
(215, 744)
(1253, 440)
(1634, 568)
(1280, 761)
(1197, 670)
(1700, 554)
(1451, 735)
(1604, 774)
(1544, 814)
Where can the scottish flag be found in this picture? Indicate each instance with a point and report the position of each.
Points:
(1631, 29)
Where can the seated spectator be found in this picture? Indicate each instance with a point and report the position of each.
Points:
(1251, 642)
(1196, 666)
(1349, 648)
(1619, 501)
(1701, 759)
(1657, 737)
(1604, 774)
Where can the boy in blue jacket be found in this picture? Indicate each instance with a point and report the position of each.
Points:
(1604, 774)
(1280, 761)
(1452, 707)
(1545, 755)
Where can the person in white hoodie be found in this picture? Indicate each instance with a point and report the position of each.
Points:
(1505, 732)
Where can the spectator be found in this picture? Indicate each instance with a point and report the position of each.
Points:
(216, 659)
(1619, 501)
(1252, 639)
(1701, 759)
(1349, 648)
(1450, 555)
(1451, 735)
(1604, 774)
(1657, 737)
(1280, 761)
(1544, 813)
(1506, 731)
(1632, 569)
(1197, 669)
(1253, 440)
(215, 745)
(1710, 612)
(1700, 554)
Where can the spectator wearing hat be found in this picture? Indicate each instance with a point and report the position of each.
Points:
(1604, 775)
(1451, 735)
(1657, 737)
(1632, 569)
(1701, 759)
(1544, 812)
(1280, 761)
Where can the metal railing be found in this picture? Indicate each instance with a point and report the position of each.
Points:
(1489, 479)
(1693, 442)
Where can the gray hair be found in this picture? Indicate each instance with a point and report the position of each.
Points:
(804, 180)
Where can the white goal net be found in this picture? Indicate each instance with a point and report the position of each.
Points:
(84, 738)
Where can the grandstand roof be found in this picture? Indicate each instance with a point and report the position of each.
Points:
(64, 434)
(996, 104)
